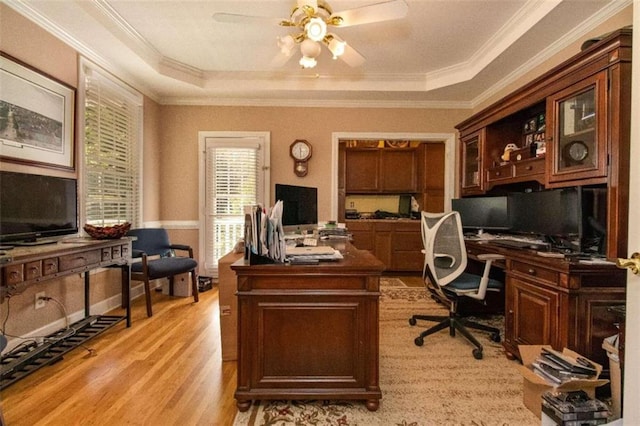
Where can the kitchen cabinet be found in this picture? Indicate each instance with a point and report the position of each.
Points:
(396, 243)
(381, 170)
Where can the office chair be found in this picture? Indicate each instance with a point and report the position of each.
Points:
(444, 275)
(159, 260)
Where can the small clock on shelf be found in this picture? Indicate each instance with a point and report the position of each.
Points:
(575, 152)
(300, 151)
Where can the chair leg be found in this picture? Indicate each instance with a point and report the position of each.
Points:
(482, 327)
(194, 286)
(147, 294)
(463, 330)
(440, 326)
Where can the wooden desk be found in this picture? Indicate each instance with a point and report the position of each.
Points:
(25, 266)
(557, 302)
(309, 332)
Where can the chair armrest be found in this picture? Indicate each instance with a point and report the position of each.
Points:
(137, 253)
(180, 247)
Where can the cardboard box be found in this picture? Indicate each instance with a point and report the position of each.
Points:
(227, 287)
(534, 385)
(610, 344)
(181, 285)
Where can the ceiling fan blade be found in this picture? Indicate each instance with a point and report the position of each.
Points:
(236, 18)
(352, 57)
(378, 12)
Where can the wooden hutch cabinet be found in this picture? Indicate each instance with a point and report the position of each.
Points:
(570, 128)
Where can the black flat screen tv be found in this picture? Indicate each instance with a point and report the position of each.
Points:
(300, 207)
(34, 207)
(483, 213)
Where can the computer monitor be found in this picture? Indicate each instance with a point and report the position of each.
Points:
(483, 213)
(552, 213)
(300, 207)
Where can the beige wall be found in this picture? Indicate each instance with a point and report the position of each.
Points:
(181, 124)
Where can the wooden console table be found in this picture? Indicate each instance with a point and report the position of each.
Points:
(24, 266)
(309, 331)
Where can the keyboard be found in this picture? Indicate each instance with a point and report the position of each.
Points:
(514, 243)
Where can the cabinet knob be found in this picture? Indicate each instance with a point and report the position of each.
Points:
(497, 173)
(528, 167)
(532, 271)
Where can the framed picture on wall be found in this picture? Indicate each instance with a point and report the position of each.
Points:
(36, 116)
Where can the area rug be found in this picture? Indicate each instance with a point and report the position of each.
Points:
(439, 383)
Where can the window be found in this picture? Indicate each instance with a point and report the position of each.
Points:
(235, 176)
(112, 143)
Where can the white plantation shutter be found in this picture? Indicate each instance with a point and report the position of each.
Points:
(112, 142)
(234, 178)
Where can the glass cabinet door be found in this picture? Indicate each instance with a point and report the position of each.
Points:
(578, 143)
(472, 179)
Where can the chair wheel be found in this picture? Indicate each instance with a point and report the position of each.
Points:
(412, 321)
(495, 337)
(477, 353)
(419, 341)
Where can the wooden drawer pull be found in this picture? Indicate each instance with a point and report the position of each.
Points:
(531, 271)
(528, 168)
(497, 173)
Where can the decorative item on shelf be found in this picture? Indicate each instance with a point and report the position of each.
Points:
(506, 155)
(397, 144)
(300, 151)
(522, 153)
(368, 144)
(107, 232)
(575, 153)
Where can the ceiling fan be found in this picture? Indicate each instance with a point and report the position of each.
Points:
(312, 20)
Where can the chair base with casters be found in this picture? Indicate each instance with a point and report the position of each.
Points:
(455, 323)
(159, 260)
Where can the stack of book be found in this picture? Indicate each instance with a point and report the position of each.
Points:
(574, 409)
(558, 368)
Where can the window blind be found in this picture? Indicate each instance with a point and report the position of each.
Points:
(112, 141)
(233, 180)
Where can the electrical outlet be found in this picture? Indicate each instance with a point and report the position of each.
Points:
(40, 303)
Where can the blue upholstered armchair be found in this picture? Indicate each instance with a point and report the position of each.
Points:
(159, 260)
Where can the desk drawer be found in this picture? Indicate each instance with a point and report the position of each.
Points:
(50, 266)
(540, 274)
(33, 270)
(13, 274)
(80, 260)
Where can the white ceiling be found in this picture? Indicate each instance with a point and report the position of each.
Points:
(446, 53)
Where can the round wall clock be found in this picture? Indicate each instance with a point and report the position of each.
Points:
(300, 151)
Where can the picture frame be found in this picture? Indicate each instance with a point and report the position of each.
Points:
(530, 126)
(37, 115)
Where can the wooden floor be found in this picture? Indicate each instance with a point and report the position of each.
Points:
(164, 370)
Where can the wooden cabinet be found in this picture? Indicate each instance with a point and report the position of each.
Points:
(581, 114)
(381, 170)
(362, 170)
(557, 302)
(471, 163)
(396, 243)
(577, 118)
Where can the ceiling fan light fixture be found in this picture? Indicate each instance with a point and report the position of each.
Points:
(316, 29)
(307, 62)
(335, 45)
